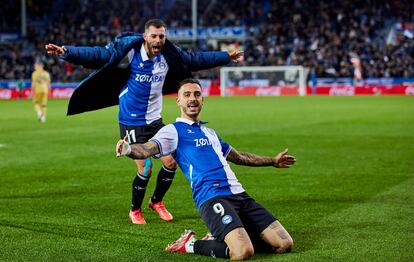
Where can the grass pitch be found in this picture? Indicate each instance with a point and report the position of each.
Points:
(65, 197)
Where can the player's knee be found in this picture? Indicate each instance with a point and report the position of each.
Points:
(170, 164)
(286, 246)
(242, 252)
(146, 168)
(145, 172)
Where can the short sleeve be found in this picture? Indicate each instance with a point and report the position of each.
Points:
(225, 148)
(166, 139)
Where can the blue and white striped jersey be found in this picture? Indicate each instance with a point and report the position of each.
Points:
(201, 155)
(140, 101)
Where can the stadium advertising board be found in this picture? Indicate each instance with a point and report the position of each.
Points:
(374, 86)
(256, 87)
(262, 90)
(10, 90)
(326, 86)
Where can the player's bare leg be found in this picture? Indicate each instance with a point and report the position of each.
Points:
(38, 110)
(239, 244)
(43, 112)
(277, 236)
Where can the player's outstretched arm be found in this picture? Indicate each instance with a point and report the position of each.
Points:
(197, 61)
(136, 151)
(281, 160)
(93, 57)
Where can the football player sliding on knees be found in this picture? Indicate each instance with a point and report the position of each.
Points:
(238, 225)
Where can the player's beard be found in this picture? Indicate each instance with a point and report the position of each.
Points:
(154, 50)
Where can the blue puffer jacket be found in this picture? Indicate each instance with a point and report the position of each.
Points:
(101, 88)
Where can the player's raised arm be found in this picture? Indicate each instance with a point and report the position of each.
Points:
(54, 49)
(136, 151)
(235, 55)
(281, 160)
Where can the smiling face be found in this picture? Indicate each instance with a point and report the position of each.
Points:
(154, 40)
(190, 100)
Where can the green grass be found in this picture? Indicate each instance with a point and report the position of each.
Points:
(65, 197)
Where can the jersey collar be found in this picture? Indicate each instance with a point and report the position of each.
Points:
(144, 55)
(189, 122)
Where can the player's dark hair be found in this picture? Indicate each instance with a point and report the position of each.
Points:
(157, 23)
(189, 81)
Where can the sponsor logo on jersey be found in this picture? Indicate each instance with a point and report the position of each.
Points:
(142, 78)
(202, 142)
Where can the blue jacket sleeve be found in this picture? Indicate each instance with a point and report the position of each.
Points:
(89, 57)
(197, 61)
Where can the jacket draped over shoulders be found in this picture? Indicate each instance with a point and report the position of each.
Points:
(102, 87)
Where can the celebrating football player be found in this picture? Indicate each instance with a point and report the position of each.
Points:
(239, 226)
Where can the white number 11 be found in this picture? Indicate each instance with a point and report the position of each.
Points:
(131, 136)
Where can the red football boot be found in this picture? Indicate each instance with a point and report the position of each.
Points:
(179, 244)
(136, 217)
(161, 210)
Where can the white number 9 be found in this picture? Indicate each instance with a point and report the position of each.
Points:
(219, 209)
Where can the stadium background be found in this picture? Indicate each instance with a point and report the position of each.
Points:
(63, 196)
(322, 36)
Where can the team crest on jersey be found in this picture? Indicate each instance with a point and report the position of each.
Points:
(141, 65)
(227, 219)
(162, 65)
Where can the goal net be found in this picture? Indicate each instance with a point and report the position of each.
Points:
(263, 80)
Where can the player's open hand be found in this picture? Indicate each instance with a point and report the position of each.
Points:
(55, 50)
(283, 160)
(122, 147)
(236, 55)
